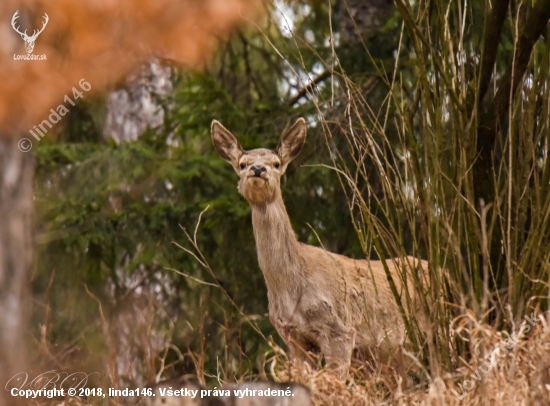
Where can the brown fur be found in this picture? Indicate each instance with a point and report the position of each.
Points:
(318, 301)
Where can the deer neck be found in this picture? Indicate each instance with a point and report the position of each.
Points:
(278, 250)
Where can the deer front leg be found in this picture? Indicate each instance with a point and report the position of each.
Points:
(337, 348)
(294, 341)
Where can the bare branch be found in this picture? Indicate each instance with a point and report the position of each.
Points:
(494, 20)
(309, 88)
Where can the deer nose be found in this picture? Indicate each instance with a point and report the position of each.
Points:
(257, 169)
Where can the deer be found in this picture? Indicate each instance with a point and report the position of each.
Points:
(29, 41)
(319, 302)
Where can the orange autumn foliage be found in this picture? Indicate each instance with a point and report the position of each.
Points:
(101, 41)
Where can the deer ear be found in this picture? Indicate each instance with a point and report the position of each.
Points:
(291, 142)
(226, 144)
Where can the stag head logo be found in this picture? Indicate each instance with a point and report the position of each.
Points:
(29, 40)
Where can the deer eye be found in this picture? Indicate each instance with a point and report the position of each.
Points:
(243, 166)
(277, 165)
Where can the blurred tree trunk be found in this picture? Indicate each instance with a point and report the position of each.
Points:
(357, 17)
(136, 107)
(493, 109)
(16, 250)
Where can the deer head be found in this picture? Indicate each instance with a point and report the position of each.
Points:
(260, 170)
(29, 41)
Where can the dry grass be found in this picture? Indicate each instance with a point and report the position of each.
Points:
(521, 377)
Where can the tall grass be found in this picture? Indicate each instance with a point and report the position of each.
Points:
(446, 159)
